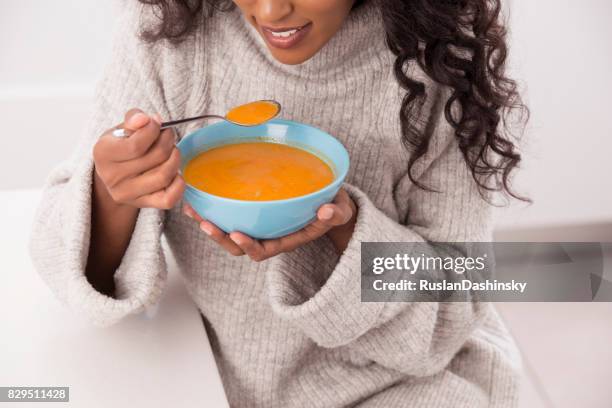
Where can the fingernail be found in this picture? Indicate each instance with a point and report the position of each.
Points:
(157, 118)
(187, 213)
(327, 213)
(206, 228)
(139, 117)
(234, 239)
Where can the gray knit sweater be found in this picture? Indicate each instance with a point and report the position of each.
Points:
(291, 331)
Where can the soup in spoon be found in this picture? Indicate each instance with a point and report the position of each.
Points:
(253, 113)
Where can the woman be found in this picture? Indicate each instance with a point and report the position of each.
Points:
(414, 89)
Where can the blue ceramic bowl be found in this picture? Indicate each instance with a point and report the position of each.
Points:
(264, 219)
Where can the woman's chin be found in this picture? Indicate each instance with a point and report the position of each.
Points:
(290, 57)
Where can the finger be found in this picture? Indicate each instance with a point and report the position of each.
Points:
(337, 213)
(288, 243)
(140, 141)
(137, 144)
(221, 238)
(310, 232)
(157, 117)
(328, 216)
(251, 247)
(163, 199)
(341, 212)
(157, 154)
(158, 177)
(149, 182)
(134, 119)
(191, 213)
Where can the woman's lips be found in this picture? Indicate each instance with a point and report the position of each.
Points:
(285, 37)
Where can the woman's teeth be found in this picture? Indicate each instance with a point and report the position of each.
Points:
(284, 37)
(284, 34)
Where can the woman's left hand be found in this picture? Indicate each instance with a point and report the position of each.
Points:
(336, 219)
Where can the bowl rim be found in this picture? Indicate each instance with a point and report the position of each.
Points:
(334, 184)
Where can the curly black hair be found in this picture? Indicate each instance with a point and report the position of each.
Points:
(458, 43)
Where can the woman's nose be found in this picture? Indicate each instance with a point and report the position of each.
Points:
(272, 11)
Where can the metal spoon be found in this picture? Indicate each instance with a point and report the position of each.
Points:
(120, 132)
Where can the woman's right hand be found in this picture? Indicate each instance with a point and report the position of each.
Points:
(141, 170)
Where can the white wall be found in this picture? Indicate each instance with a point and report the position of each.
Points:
(53, 51)
(563, 52)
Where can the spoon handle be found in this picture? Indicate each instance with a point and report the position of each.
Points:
(166, 125)
(120, 132)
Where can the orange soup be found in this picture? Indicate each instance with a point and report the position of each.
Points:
(253, 113)
(257, 171)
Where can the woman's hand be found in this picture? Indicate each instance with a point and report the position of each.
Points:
(142, 169)
(130, 173)
(336, 219)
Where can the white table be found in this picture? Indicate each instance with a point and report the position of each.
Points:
(159, 358)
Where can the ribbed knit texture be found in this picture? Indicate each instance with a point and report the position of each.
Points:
(291, 331)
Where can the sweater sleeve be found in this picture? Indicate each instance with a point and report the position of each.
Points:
(320, 292)
(59, 242)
